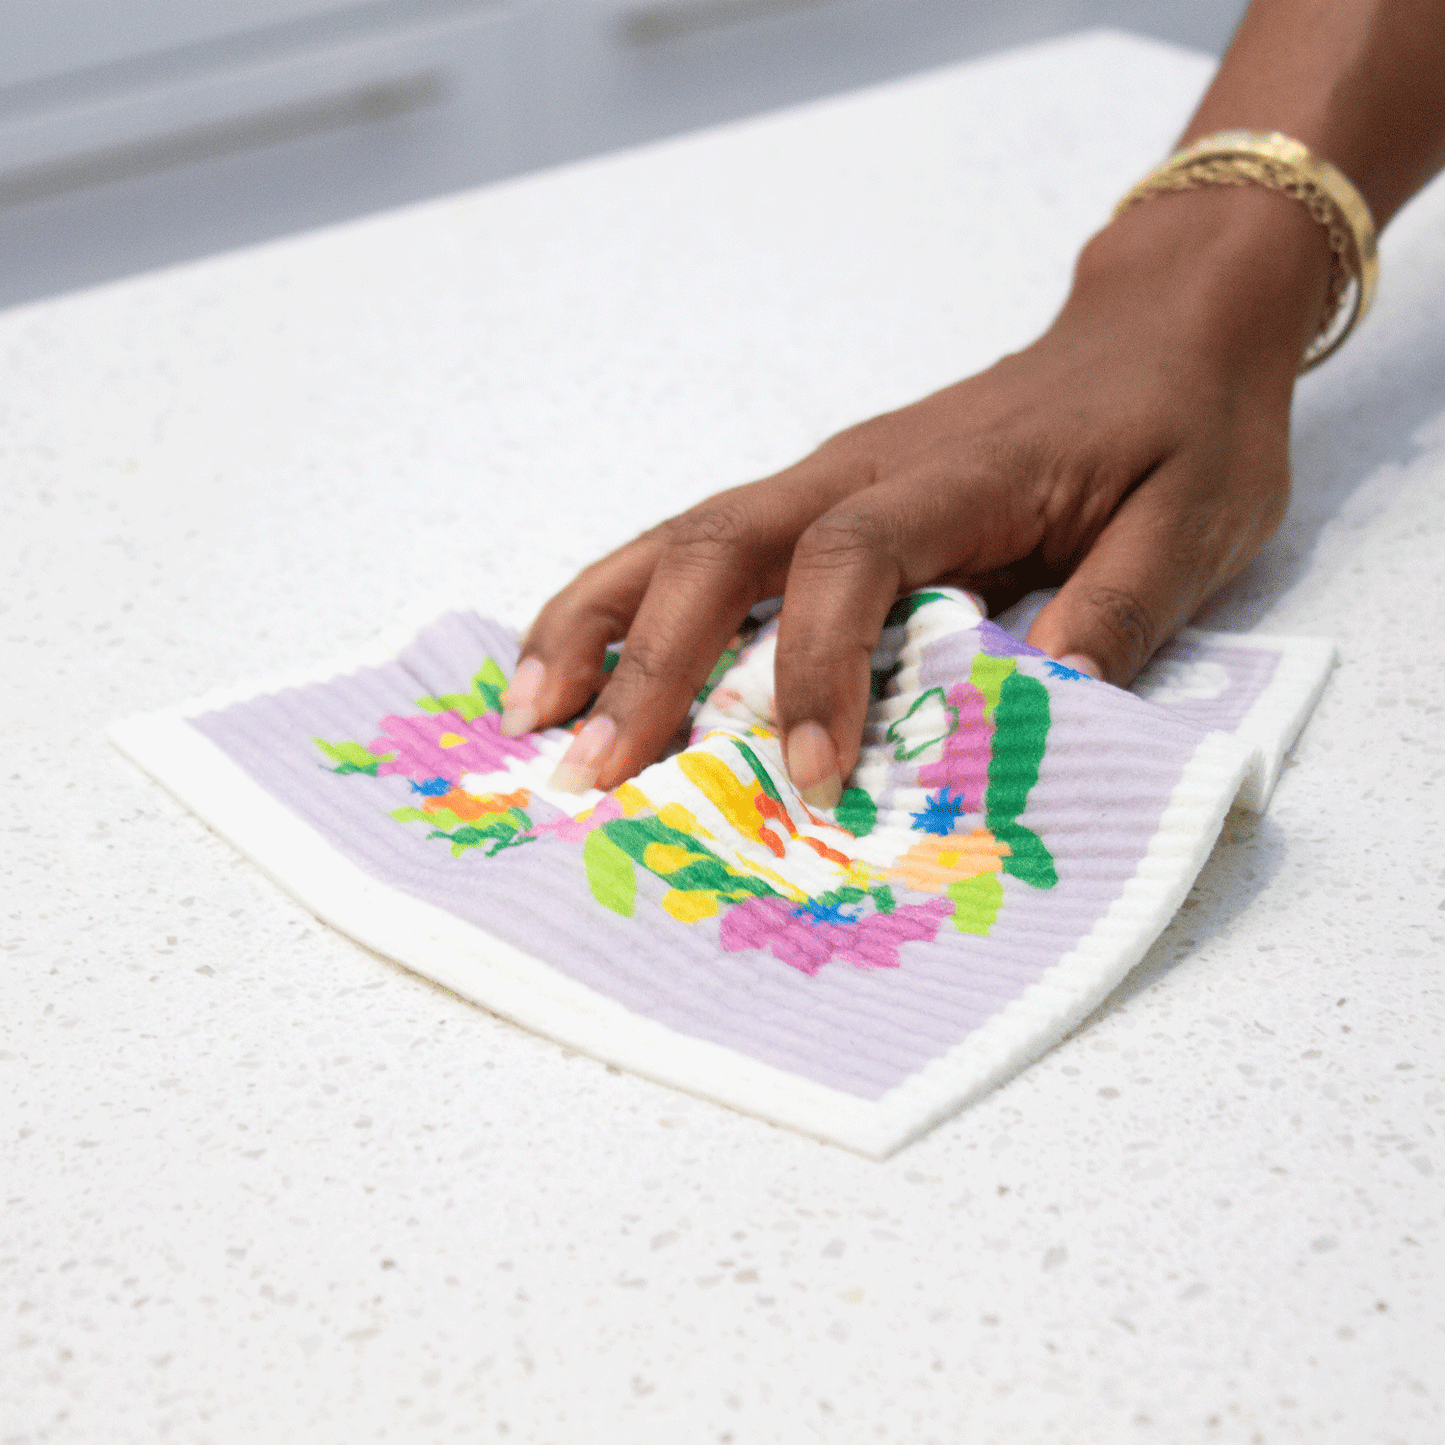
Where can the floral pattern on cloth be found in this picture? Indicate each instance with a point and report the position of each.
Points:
(929, 836)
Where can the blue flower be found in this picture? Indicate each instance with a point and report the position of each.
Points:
(1057, 669)
(942, 810)
(432, 788)
(822, 910)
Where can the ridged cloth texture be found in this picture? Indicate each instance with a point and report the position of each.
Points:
(1014, 837)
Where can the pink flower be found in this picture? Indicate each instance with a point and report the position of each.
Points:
(806, 942)
(442, 745)
(963, 767)
(575, 830)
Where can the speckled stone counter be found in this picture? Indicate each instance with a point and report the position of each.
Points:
(262, 1185)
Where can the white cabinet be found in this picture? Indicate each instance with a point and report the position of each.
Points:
(107, 91)
(53, 37)
(86, 85)
(134, 133)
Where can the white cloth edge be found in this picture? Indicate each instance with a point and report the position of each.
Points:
(1278, 715)
(429, 941)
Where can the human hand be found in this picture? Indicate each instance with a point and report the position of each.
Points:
(1137, 453)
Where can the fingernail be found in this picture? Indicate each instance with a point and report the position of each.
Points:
(581, 763)
(1080, 663)
(813, 765)
(519, 701)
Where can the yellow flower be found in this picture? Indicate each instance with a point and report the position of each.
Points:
(863, 875)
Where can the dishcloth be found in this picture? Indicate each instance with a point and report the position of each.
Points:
(1013, 839)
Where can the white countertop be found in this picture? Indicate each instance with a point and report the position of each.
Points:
(262, 1185)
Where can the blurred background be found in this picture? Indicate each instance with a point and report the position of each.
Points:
(137, 133)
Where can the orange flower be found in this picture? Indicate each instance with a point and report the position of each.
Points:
(932, 863)
(469, 808)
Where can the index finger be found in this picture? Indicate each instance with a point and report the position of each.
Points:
(850, 567)
(711, 566)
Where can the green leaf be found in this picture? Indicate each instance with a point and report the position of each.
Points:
(765, 779)
(352, 757)
(413, 815)
(610, 873)
(976, 902)
(514, 820)
(934, 697)
(466, 705)
(704, 873)
(490, 683)
(1021, 730)
(1029, 860)
(485, 697)
(988, 677)
(905, 607)
(857, 812)
(848, 893)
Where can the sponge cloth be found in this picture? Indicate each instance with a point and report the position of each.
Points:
(1013, 839)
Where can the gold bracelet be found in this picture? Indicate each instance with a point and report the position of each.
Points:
(1272, 160)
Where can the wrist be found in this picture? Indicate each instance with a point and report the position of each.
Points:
(1237, 276)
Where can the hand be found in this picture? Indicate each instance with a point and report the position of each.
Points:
(1137, 453)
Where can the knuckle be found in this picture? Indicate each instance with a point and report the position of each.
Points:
(643, 666)
(569, 624)
(551, 626)
(1124, 621)
(842, 536)
(612, 619)
(714, 529)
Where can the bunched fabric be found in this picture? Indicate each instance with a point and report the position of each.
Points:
(1013, 839)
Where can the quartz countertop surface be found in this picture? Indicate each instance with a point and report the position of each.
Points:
(260, 1184)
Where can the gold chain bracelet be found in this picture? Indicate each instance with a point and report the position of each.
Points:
(1274, 161)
